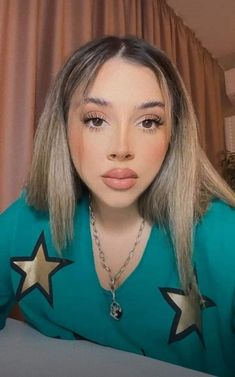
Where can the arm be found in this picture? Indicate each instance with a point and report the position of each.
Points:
(7, 226)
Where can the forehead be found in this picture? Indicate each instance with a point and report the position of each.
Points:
(123, 83)
(119, 79)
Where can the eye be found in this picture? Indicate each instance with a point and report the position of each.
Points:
(151, 122)
(93, 121)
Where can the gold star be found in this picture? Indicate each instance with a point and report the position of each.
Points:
(187, 313)
(36, 271)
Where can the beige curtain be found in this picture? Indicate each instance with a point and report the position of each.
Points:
(36, 36)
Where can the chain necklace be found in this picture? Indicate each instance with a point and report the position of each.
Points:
(115, 308)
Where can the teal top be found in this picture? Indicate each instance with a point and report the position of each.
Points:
(61, 296)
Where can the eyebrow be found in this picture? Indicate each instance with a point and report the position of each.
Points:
(144, 105)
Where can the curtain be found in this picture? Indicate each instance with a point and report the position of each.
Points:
(36, 37)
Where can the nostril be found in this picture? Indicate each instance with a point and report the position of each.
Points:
(120, 156)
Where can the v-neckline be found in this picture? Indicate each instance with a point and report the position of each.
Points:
(92, 259)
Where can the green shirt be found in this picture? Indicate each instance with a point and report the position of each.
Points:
(61, 296)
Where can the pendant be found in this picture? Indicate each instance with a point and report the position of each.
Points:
(115, 310)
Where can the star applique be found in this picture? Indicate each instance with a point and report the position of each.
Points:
(37, 271)
(187, 313)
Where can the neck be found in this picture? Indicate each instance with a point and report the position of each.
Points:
(115, 219)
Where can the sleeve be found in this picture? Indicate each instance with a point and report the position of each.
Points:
(7, 225)
(222, 238)
(233, 319)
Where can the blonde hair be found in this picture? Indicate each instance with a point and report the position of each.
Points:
(182, 189)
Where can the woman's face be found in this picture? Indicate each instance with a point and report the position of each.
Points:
(117, 134)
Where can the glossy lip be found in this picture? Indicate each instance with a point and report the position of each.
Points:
(119, 173)
(120, 179)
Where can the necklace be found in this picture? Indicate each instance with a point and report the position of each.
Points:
(115, 308)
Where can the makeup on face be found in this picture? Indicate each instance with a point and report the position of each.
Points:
(120, 179)
(117, 134)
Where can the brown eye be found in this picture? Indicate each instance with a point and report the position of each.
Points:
(151, 123)
(96, 122)
(93, 122)
(147, 123)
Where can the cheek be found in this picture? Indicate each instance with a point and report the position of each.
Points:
(75, 146)
(85, 151)
(155, 153)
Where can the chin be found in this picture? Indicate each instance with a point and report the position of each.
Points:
(117, 199)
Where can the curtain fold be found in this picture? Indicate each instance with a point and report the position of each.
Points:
(37, 36)
(18, 52)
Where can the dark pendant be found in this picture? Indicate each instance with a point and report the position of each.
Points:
(115, 310)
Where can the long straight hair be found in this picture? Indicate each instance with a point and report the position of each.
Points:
(186, 182)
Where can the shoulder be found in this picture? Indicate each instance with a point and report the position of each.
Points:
(8, 221)
(219, 215)
(20, 217)
(9, 215)
(18, 208)
(215, 232)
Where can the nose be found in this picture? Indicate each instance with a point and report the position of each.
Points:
(121, 148)
(120, 156)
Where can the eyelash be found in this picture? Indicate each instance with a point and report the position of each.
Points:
(156, 119)
(90, 117)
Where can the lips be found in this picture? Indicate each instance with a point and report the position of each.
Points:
(120, 174)
(120, 179)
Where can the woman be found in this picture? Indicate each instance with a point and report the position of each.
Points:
(124, 233)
